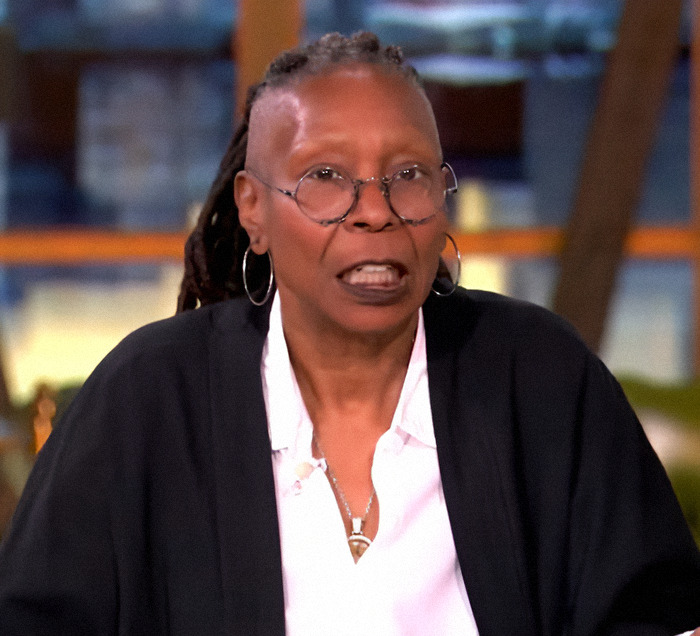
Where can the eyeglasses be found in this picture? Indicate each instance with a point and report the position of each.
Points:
(415, 194)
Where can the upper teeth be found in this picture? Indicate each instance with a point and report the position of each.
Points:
(372, 274)
(370, 268)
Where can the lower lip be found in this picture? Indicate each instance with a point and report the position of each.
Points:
(377, 295)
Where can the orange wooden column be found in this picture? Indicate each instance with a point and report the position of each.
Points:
(264, 29)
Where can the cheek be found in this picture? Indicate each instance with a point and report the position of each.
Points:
(295, 248)
(438, 242)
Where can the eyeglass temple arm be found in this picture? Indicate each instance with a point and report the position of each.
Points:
(289, 193)
(450, 189)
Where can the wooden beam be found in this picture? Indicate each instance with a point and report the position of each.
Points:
(264, 29)
(76, 247)
(614, 165)
(649, 243)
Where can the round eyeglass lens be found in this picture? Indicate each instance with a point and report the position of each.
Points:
(416, 194)
(325, 195)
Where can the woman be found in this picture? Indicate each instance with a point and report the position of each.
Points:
(351, 452)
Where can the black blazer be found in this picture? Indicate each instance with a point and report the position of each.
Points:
(151, 509)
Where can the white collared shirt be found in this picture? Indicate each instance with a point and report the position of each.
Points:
(408, 582)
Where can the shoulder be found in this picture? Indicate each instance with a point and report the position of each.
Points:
(513, 352)
(185, 339)
(172, 361)
(159, 378)
(475, 320)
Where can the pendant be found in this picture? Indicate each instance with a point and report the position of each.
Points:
(357, 541)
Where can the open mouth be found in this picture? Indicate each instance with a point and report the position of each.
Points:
(375, 283)
(373, 275)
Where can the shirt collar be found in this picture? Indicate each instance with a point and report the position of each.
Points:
(288, 421)
(413, 414)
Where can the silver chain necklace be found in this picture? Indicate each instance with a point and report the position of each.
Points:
(357, 540)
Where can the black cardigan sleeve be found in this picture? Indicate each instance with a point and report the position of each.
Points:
(58, 570)
(116, 530)
(634, 567)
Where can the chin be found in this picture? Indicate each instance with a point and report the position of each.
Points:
(378, 319)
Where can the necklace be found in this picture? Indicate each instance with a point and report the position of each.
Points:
(357, 540)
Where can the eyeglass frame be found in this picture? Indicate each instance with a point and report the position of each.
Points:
(384, 184)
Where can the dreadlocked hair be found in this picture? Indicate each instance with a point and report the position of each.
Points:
(215, 248)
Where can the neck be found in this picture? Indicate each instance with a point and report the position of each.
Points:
(348, 377)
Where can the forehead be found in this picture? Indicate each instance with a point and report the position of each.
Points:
(359, 108)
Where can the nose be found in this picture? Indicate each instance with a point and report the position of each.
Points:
(372, 211)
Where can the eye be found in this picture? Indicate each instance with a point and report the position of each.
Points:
(414, 173)
(324, 174)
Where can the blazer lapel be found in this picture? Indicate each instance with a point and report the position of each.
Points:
(251, 570)
(476, 457)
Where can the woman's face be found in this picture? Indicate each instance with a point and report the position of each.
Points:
(371, 272)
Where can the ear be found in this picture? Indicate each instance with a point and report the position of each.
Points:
(251, 211)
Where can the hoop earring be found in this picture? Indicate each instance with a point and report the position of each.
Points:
(244, 267)
(444, 284)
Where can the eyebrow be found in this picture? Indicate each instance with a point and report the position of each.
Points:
(337, 145)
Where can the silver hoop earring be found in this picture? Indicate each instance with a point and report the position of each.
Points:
(444, 284)
(270, 284)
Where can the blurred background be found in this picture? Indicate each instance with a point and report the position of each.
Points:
(568, 123)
